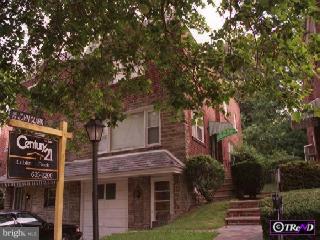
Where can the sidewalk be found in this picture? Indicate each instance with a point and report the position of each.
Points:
(240, 232)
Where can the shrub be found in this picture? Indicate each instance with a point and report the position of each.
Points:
(298, 205)
(205, 174)
(247, 177)
(298, 175)
(273, 161)
(246, 152)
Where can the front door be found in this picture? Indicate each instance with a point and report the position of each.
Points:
(161, 203)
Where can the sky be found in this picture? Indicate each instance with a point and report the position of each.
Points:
(214, 21)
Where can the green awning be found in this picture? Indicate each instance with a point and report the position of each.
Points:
(221, 129)
(226, 133)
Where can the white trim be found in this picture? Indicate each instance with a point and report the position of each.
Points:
(168, 178)
(156, 171)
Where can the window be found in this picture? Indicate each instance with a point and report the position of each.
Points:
(100, 191)
(129, 133)
(107, 191)
(137, 130)
(197, 128)
(49, 197)
(153, 127)
(111, 191)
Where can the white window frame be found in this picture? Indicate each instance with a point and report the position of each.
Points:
(195, 128)
(159, 179)
(145, 110)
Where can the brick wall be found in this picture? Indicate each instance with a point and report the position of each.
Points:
(139, 203)
(195, 147)
(71, 207)
(184, 198)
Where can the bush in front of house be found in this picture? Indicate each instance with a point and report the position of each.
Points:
(298, 205)
(273, 161)
(205, 174)
(248, 178)
(245, 152)
(299, 175)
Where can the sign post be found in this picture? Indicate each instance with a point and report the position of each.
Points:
(63, 134)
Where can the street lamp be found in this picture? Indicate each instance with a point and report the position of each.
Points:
(94, 130)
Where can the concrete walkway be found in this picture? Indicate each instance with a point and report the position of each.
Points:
(240, 232)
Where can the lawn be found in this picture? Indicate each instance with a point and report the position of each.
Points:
(198, 224)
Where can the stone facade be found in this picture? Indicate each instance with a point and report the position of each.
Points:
(71, 207)
(183, 196)
(139, 203)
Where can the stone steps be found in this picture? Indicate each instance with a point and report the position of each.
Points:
(243, 212)
(249, 220)
(244, 204)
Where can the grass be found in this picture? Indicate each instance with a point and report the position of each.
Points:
(163, 235)
(198, 224)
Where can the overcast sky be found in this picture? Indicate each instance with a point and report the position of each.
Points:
(214, 20)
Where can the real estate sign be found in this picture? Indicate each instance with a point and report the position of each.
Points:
(32, 157)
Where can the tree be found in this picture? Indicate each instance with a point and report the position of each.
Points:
(267, 127)
(74, 49)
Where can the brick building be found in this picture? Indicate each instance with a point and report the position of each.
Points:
(140, 167)
(310, 122)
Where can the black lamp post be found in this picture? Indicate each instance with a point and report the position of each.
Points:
(94, 130)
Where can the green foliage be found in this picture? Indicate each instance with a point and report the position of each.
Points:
(205, 174)
(245, 152)
(248, 178)
(298, 175)
(273, 161)
(267, 126)
(74, 50)
(299, 204)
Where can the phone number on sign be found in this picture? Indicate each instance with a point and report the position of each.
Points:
(42, 175)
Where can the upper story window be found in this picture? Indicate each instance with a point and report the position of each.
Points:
(139, 129)
(198, 128)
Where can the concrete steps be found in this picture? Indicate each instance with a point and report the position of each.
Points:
(243, 212)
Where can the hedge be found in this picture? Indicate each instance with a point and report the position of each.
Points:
(247, 177)
(298, 205)
(299, 175)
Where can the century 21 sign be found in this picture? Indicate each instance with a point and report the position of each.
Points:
(32, 157)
